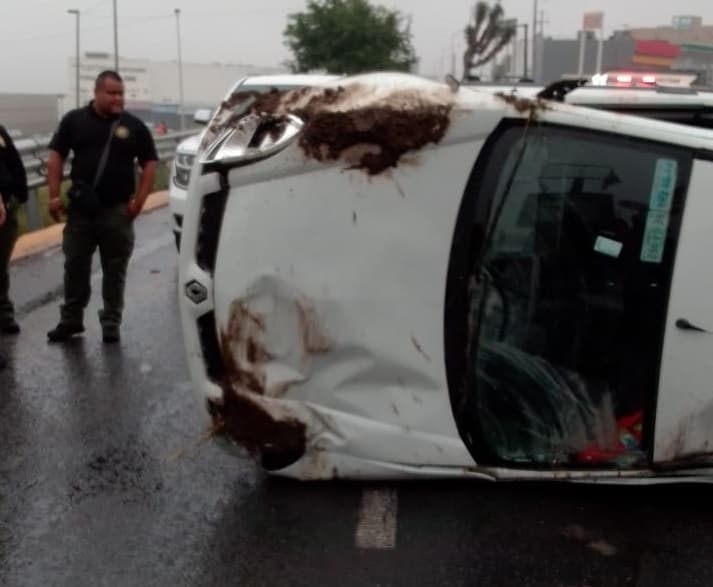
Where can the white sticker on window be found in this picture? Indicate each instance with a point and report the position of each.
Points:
(608, 247)
(654, 243)
(664, 185)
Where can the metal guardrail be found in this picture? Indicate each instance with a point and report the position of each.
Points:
(35, 152)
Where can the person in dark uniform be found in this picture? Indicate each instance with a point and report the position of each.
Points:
(13, 192)
(3, 218)
(103, 201)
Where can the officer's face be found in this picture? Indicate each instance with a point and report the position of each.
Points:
(109, 97)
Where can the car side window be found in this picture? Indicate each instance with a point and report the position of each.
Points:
(568, 292)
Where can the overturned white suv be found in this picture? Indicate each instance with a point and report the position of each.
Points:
(388, 277)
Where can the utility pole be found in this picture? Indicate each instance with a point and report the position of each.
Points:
(535, 15)
(75, 12)
(527, 41)
(177, 11)
(116, 41)
(539, 75)
(582, 49)
(600, 47)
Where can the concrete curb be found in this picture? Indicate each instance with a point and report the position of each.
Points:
(38, 241)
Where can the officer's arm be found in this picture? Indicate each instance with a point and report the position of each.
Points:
(146, 183)
(60, 146)
(55, 171)
(15, 167)
(148, 158)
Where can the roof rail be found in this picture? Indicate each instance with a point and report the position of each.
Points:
(676, 90)
(559, 89)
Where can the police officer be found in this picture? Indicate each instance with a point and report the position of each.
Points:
(106, 142)
(3, 218)
(13, 192)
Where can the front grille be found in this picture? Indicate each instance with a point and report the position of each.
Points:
(211, 219)
(210, 347)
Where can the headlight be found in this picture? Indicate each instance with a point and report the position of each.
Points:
(185, 160)
(255, 137)
(182, 169)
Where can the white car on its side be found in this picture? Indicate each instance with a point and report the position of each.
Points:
(388, 277)
(186, 151)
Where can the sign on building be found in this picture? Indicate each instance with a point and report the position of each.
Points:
(593, 21)
(687, 23)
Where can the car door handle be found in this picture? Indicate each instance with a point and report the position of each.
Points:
(684, 324)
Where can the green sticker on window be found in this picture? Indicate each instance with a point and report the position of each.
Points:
(662, 191)
(664, 185)
(654, 243)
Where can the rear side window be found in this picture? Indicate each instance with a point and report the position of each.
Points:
(571, 243)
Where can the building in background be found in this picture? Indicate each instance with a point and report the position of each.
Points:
(560, 57)
(682, 30)
(151, 92)
(151, 87)
(30, 114)
(686, 46)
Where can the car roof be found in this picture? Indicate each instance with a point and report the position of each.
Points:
(691, 136)
(696, 136)
(384, 85)
(526, 90)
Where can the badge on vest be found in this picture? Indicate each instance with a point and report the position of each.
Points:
(121, 132)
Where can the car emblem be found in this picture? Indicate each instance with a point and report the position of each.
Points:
(196, 292)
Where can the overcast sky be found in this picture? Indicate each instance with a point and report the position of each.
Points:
(37, 36)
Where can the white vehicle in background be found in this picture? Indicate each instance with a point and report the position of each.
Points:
(686, 105)
(388, 277)
(186, 151)
(689, 106)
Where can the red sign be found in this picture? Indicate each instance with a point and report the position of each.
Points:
(593, 21)
(658, 49)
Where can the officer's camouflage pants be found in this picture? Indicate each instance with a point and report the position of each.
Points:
(112, 232)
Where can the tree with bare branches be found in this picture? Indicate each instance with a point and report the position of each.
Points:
(486, 36)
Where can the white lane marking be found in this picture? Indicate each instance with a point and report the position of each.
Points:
(376, 528)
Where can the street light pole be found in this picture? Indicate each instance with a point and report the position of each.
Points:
(535, 15)
(527, 40)
(116, 41)
(600, 47)
(75, 12)
(177, 11)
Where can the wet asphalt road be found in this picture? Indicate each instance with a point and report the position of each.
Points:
(104, 482)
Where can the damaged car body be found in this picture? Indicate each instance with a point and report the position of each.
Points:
(406, 279)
